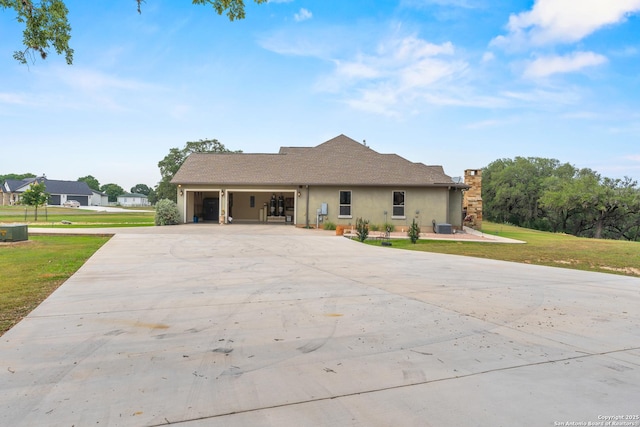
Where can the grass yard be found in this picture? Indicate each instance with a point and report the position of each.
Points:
(33, 269)
(542, 248)
(78, 217)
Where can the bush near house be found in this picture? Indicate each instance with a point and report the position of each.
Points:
(328, 225)
(362, 229)
(167, 213)
(414, 232)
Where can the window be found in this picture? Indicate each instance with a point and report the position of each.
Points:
(398, 204)
(252, 201)
(345, 204)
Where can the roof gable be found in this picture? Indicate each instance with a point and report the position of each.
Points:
(13, 185)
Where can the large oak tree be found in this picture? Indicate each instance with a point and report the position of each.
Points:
(172, 162)
(46, 24)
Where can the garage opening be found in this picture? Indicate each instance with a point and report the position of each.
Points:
(262, 207)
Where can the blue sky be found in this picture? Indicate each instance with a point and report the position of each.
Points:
(457, 83)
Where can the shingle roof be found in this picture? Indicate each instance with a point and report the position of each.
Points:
(53, 186)
(12, 185)
(339, 161)
(133, 195)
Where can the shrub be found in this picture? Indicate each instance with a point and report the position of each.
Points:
(389, 226)
(414, 232)
(374, 227)
(167, 213)
(328, 225)
(362, 229)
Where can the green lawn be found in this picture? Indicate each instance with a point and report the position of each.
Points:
(31, 270)
(54, 216)
(542, 248)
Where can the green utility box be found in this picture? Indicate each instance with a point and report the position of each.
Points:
(14, 233)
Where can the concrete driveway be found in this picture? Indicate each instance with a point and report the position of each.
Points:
(208, 325)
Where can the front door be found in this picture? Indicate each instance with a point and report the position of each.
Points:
(211, 209)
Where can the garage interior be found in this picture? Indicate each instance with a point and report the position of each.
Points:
(241, 206)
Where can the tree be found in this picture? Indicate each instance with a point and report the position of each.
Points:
(511, 190)
(561, 197)
(153, 198)
(15, 176)
(113, 191)
(172, 162)
(36, 195)
(93, 183)
(141, 189)
(546, 195)
(46, 24)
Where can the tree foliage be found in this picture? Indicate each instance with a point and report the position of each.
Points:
(15, 176)
(113, 191)
(176, 157)
(36, 195)
(46, 24)
(546, 195)
(92, 182)
(141, 189)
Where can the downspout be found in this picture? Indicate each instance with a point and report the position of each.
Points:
(307, 213)
(448, 207)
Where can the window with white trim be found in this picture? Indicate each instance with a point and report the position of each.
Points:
(398, 204)
(345, 204)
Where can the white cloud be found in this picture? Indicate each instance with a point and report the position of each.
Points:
(582, 115)
(303, 15)
(91, 80)
(544, 98)
(546, 66)
(400, 71)
(566, 21)
(488, 57)
(12, 98)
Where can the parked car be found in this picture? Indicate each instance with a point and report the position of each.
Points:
(71, 204)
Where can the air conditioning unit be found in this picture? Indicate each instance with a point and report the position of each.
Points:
(444, 229)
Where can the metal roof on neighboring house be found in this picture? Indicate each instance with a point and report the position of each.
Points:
(12, 185)
(133, 195)
(339, 161)
(75, 188)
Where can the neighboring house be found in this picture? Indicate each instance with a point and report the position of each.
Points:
(99, 198)
(59, 191)
(133, 199)
(338, 181)
(9, 189)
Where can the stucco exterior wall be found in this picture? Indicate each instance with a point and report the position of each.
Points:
(425, 205)
(455, 208)
(376, 205)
